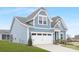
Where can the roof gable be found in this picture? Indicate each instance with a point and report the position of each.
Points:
(56, 20)
(42, 12)
(31, 16)
(60, 26)
(21, 19)
(5, 31)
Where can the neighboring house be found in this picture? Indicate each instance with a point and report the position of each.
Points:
(75, 38)
(4, 34)
(38, 25)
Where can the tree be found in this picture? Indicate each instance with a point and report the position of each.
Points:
(30, 41)
(69, 38)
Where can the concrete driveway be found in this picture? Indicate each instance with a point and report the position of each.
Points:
(55, 48)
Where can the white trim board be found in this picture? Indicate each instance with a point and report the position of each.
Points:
(42, 32)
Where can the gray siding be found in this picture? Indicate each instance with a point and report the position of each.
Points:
(40, 30)
(30, 23)
(60, 26)
(19, 33)
(43, 13)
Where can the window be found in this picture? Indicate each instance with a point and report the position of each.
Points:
(49, 34)
(39, 34)
(33, 33)
(42, 20)
(3, 36)
(44, 34)
(8, 36)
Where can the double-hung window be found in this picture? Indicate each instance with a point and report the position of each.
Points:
(42, 20)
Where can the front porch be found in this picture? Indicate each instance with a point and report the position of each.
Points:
(59, 36)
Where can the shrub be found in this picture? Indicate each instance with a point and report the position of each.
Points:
(30, 41)
(62, 41)
(56, 41)
(65, 42)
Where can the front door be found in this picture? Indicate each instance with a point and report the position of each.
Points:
(56, 36)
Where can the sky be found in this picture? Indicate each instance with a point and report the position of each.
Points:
(70, 16)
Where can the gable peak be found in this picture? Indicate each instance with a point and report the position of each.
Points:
(42, 8)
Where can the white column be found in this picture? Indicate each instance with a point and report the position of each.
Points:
(27, 34)
(59, 34)
(64, 35)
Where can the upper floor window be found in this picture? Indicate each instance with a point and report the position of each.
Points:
(42, 19)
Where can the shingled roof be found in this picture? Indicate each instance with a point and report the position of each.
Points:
(55, 19)
(30, 17)
(34, 13)
(21, 19)
(5, 31)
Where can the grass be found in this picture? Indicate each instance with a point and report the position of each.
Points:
(73, 45)
(6, 46)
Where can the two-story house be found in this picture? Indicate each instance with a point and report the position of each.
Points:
(38, 25)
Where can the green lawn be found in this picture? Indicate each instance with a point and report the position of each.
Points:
(6, 46)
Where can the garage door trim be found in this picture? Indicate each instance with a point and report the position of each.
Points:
(42, 34)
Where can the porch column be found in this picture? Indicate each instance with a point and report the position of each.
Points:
(64, 35)
(59, 34)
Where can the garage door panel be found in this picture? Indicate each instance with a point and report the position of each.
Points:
(42, 38)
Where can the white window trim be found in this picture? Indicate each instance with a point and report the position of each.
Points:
(43, 20)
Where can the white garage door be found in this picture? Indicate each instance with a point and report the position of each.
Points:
(42, 38)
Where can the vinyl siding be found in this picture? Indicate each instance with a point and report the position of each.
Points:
(60, 26)
(40, 30)
(43, 13)
(19, 33)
